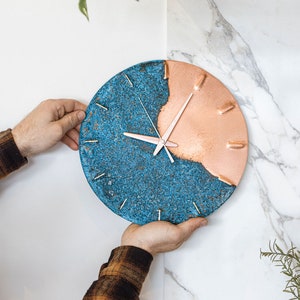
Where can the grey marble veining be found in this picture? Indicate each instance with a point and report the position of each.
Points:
(226, 53)
(199, 33)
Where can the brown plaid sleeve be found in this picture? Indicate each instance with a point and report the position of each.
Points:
(123, 276)
(10, 157)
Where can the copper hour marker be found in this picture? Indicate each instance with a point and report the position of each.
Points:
(99, 176)
(197, 208)
(225, 179)
(235, 144)
(127, 78)
(91, 141)
(123, 203)
(101, 106)
(226, 108)
(159, 214)
(166, 76)
(200, 82)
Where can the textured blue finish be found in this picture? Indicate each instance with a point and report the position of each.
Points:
(130, 170)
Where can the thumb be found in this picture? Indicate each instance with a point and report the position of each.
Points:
(71, 120)
(189, 226)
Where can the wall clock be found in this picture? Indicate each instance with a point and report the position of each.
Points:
(163, 140)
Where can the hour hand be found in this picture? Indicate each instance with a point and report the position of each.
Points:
(148, 139)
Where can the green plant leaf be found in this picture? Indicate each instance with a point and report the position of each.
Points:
(83, 8)
(290, 266)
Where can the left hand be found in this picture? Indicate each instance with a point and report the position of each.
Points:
(50, 122)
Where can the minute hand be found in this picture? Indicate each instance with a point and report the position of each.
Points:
(167, 134)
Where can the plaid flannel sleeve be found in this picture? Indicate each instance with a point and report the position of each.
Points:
(10, 156)
(123, 276)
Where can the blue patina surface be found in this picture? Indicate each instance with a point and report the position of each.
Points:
(135, 184)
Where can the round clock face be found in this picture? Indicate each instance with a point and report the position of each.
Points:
(163, 140)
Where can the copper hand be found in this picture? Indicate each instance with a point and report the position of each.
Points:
(166, 135)
(148, 139)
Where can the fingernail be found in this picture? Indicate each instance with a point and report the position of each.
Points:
(81, 115)
(203, 222)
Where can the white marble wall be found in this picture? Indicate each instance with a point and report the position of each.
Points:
(252, 47)
(53, 229)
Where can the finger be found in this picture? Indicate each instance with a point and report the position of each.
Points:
(189, 226)
(69, 105)
(73, 134)
(78, 127)
(69, 142)
(132, 227)
(71, 120)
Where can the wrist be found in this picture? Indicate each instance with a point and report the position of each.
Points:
(20, 143)
(11, 158)
(139, 245)
(138, 240)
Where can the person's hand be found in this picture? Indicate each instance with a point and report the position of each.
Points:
(50, 122)
(160, 236)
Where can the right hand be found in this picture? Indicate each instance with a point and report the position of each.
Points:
(160, 236)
